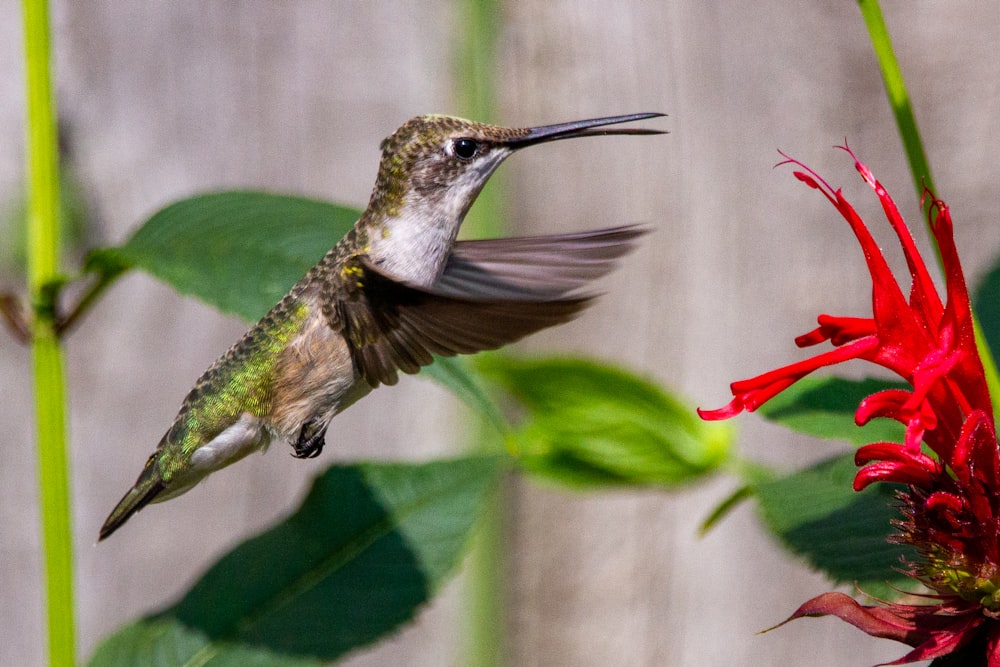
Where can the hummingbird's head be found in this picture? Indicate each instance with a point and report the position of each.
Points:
(445, 161)
(432, 169)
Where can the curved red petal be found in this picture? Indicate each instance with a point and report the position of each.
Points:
(751, 393)
(886, 471)
(893, 452)
(887, 403)
(875, 621)
(731, 409)
(837, 330)
(923, 293)
(942, 500)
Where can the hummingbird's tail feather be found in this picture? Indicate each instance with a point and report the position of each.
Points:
(534, 268)
(146, 489)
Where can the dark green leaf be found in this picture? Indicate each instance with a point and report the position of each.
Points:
(593, 425)
(817, 514)
(986, 304)
(239, 251)
(370, 544)
(824, 407)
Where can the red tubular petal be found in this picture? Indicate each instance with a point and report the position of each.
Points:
(886, 403)
(923, 292)
(893, 452)
(806, 178)
(969, 375)
(891, 472)
(975, 451)
(753, 392)
(942, 500)
(733, 408)
(814, 337)
(789, 374)
(837, 330)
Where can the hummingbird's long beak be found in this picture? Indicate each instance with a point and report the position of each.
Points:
(582, 128)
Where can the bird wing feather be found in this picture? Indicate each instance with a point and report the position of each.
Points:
(491, 293)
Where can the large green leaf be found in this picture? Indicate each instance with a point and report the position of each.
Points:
(591, 425)
(239, 251)
(167, 642)
(817, 514)
(824, 407)
(370, 544)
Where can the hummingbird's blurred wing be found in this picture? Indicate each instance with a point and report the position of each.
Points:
(491, 293)
(392, 326)
(534, 267)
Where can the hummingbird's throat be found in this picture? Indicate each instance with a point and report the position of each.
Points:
(413, 245)
(412, 248)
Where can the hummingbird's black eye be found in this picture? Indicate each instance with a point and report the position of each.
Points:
(465, 149)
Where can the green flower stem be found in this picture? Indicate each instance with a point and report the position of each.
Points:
(475, 62)
(899, 99)
(46, 353)
(53, 473)
(920, 169)
(478, 22)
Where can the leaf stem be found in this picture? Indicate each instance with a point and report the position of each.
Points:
(104, 280)
(46, 353)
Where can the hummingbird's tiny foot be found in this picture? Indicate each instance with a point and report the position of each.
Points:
(311, 440)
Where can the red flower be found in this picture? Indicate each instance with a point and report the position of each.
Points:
(951, 504)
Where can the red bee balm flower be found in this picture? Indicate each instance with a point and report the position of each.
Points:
(951, 501)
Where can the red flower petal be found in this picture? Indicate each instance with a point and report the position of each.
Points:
(930, 631)
(837, 330)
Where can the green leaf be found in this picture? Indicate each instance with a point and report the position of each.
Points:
(986, 305)
(370, 544)
(239, 251)
(824, 407)
(596, 425)
(167, 642)
(817, 514)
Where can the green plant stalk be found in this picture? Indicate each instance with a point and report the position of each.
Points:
(485, 642)
(474, 81)
(899, 100)
(46, 353)
(475, 60)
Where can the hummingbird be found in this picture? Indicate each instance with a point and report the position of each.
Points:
(396, 290)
